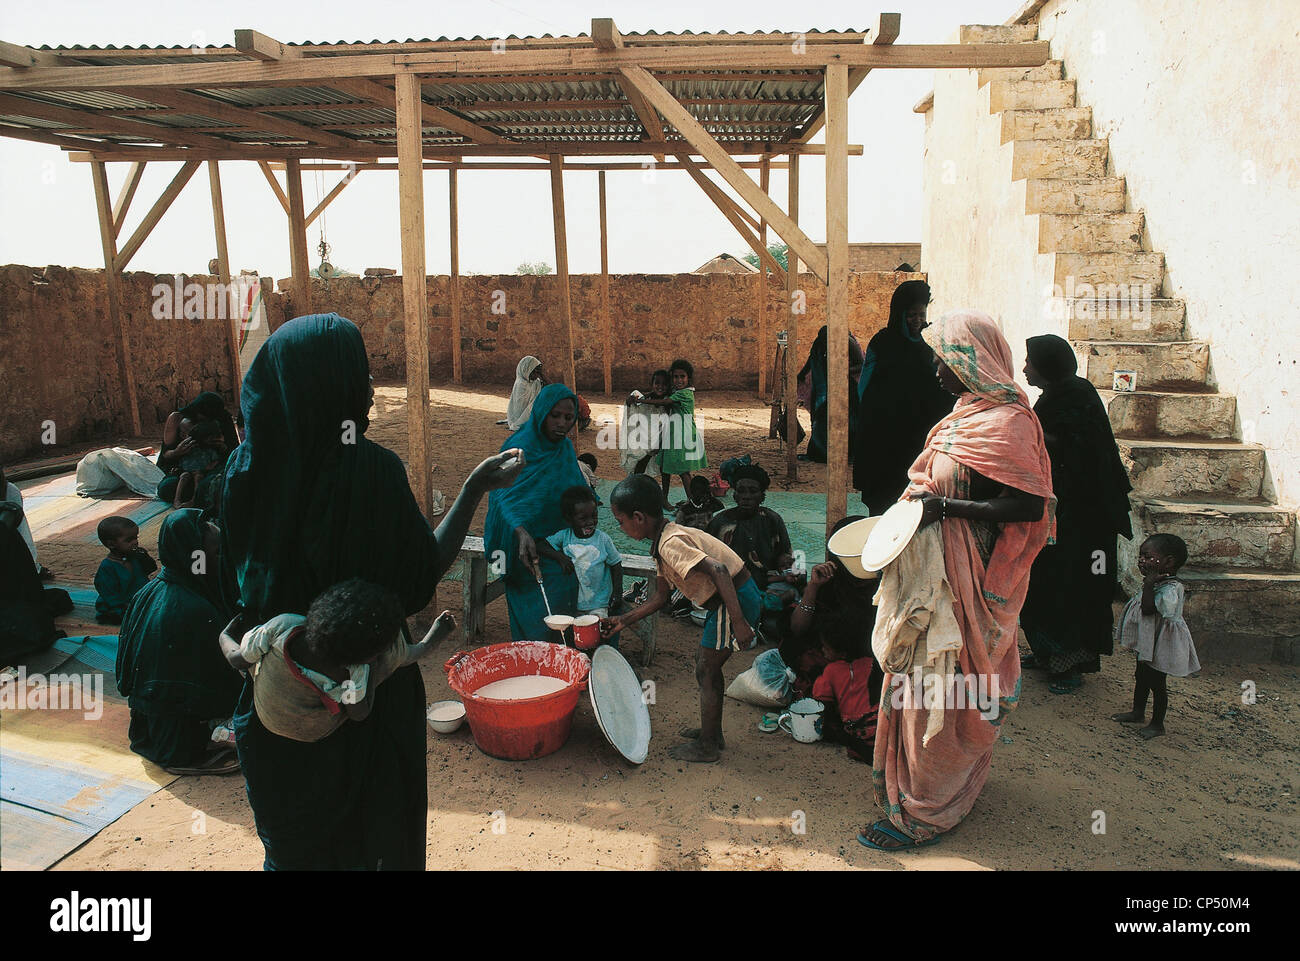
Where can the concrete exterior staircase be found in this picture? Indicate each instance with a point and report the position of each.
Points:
(1191, 472)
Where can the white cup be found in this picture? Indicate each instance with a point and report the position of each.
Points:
(803, 720)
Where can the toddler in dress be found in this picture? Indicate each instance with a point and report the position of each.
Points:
(1152, 625)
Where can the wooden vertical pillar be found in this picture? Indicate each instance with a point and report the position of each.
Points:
(230, 318)
(453, 281)
(298, 261)
(562, 266)
(415, 304)
(113, 281)
(764, 175)
(837, 292)
(792, 355)
(606, 349)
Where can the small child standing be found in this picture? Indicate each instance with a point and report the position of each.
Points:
(683, 450)
(588, 553)
(1152, 625)
(310, 674)
(123, 572)
(712, 576)
(587, 464)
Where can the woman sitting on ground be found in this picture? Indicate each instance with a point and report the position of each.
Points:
(169, 664)
(178, 445)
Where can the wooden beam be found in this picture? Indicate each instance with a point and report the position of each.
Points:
(722, 56)
(700, 139)
(329, 197)
(123, 202)
(113, 282)
(764, 176)
(275, 185)
(155, 213)
(792, 355)
(884, 32)
(515, 165)
(607, 349)
(562, 267)
(453, 279)
(102, 149)
(233, 306)
(728, 210)
(102, 122)
(415, 297)
(605, 35)
(208, 107)
(300, 265)
(15, 55)
(837, 294)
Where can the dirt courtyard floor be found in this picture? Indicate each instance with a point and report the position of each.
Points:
(1069, 788)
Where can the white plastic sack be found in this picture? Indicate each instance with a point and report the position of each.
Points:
(101, 472)
(765, 684)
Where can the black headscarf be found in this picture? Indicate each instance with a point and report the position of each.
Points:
(900, 400)
(1088, 476)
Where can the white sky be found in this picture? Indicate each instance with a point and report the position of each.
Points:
(47, 204)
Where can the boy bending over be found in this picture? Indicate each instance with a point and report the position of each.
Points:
(714, 577)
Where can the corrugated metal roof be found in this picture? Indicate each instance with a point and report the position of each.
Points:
(749, 106)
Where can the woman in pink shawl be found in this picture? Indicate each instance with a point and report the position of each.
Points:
(985, 476)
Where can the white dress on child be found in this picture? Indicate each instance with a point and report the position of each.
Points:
(1161, 639)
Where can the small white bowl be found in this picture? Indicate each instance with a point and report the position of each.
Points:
(450, 724)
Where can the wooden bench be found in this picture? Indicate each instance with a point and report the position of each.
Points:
(478, 591)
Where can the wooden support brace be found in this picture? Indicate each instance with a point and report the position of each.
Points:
(155, 213)
(562, 267)
(453, 279)
(794, 301)
(607, 349)
(275, 185)
(299, 264)
(123, 202)
(729, 211)
(329, 197)
(764, 177)
(231, 316)
(884, 32)
(113, 282)
(837, 294)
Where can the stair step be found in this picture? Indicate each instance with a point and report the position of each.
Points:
(1057, 123)
(1216, 600)
(1167, 468)
(998, 33)
(1077, 233)
(1178, 365)
(1086, 195)
(1139, 269)
(1030, 94)
(1223, 533)
(1052, 70)
(1151, 414)
(1067, 159)
(1121, 313)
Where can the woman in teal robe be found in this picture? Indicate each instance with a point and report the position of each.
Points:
(308, 502)
(169, 665)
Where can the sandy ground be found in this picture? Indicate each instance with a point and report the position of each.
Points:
(1068, 789)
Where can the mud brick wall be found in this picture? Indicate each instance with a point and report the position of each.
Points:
(710, 319)
(58, 358)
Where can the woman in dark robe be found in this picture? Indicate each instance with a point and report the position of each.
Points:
(1067, 615)
(309, 502)
(899, 400)
(814, 382)
(27, 610)
(208, 406)
(169, 665)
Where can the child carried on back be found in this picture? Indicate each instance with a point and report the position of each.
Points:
(312, 673)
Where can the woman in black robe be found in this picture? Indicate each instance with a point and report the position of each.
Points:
(1067, 616)
(309, 502)
(899, 400)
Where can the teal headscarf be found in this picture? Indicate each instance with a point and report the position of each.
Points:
(533, 501)
(168, 659)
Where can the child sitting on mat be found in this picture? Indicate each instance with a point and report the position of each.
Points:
(312, 673)
(589, 554)
(709, 573)
(123, 572)
(207, 456)
(700, 504)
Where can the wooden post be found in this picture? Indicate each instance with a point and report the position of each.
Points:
(607, 349)
(232, 304)
(113, 281)
(793, 304)
(837, 293)
(764, 175)
(410, 184)
(562, 266)
(298, 240)
(453, 280)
